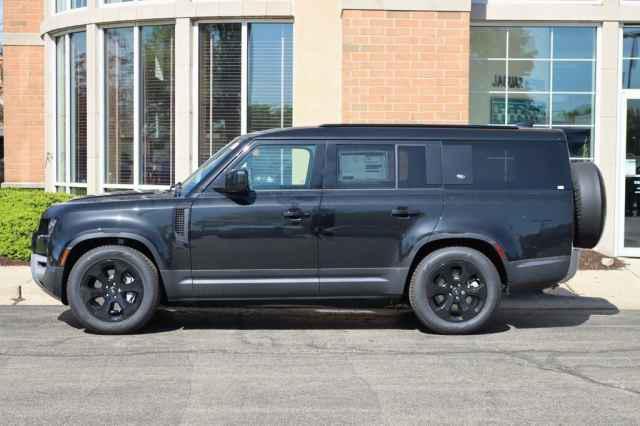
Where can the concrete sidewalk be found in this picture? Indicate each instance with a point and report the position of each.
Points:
(620, 288)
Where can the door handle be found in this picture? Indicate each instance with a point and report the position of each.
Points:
(295, 215)
(404, 212)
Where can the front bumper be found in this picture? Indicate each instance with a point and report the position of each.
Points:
(49, 278)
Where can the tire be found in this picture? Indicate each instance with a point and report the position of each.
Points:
(477, 280)
(124, 279)
(590, 204)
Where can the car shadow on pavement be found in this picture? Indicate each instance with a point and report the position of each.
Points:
(520, 311)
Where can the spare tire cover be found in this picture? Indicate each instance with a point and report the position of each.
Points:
(590, 204)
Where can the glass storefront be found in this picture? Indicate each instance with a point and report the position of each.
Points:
(631, 58)
(541, 76)
(146, 131)
(71, 111)
(268, 82)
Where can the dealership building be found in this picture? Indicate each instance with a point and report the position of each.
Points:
(105, 95)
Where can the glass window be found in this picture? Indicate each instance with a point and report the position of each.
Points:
(412, 166)
(157, 92)
(71, 111)
(528, 109)
(529, 76)
(270, 76)
(61, 109)
(631, 42)
(139, 148)
(488, 108)
(631, 58)
(268, 82)
(488, 43)
(119, 91)
(366, 166)
(574, 43)
(569, 76)
(572, 109)
(457, 164)
(489, 75)
(78, 108)
(280, 166)
(220, 86)
(62, 5)
(531, 43)
(548, 79)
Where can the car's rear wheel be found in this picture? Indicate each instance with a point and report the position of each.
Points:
(455, 290)
(113, 289)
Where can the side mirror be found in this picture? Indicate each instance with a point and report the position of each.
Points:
(237, 182)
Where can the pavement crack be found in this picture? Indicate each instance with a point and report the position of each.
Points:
(552, 364)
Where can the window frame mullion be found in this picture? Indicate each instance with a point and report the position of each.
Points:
(244, 80)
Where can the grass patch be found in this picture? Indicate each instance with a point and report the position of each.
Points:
(20, 211)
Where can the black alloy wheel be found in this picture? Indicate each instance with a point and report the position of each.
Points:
(112, 290)
(457, 291)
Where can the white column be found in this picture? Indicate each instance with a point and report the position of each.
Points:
(607, 139)
(183, 95)
(95, 108)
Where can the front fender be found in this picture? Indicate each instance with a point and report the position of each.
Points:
(150, 225)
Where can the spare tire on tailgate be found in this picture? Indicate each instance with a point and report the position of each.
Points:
(590, 204)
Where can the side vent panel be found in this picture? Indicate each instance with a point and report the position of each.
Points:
(180, 224)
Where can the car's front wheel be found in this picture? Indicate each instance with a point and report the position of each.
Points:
(455, 290)
(113, 289)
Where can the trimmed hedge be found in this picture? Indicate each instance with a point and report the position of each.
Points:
(20, 211)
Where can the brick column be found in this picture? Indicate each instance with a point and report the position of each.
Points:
(405, 67)
(24, 159)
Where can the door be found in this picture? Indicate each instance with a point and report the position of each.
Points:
(631, 165)
(380, 199)
(261, 245)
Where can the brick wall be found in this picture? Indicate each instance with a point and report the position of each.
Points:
(22, 16)
(23, 96)
(405, 67)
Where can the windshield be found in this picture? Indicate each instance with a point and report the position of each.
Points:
(208, 166)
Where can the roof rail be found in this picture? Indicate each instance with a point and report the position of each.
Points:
(427, 126)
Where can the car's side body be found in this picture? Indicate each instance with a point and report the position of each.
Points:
(506, 192)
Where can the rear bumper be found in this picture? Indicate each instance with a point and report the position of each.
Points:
(49, 278)
(542, 273)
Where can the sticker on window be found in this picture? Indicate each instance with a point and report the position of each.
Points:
(362, 167)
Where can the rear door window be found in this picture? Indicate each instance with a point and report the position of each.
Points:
(365, 166)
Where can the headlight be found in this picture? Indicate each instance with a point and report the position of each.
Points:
(52, 225)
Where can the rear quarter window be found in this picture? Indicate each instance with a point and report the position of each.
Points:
(527, 165)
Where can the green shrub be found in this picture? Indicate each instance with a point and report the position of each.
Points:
(20, 211)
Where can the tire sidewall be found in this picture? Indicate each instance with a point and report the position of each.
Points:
(434, 261)
(136, 260)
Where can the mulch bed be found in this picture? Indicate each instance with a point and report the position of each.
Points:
(4, 261)
(592, 260)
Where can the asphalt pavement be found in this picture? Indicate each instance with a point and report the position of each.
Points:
(321, 366)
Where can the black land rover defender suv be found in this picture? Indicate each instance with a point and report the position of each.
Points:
(446, 218)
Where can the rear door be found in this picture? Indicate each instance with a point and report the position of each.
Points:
(379, 199)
